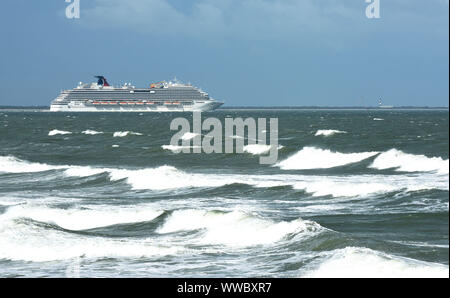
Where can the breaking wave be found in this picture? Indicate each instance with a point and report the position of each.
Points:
(358, 262)
(11, 164)
(346, 188)
(328, 132)
(315, 158)
(82, 219)
(83, 171)
(22, 235)
(405, 162)
(22, 240)
(236, 228)
(169, 178)
(164, 177)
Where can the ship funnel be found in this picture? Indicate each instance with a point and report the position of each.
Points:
(102, 81)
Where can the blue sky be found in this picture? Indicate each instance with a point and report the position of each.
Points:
(244, 52)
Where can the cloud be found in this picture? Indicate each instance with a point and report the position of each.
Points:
(224, 17)
(261, 19)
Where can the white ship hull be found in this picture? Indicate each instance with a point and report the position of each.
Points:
(81, 107)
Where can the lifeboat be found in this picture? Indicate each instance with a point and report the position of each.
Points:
(131, 102)
(122, 103)
(139, 103)
(112, 103)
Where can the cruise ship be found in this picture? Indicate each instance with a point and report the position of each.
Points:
(163, 96)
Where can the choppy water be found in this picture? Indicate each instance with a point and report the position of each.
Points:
(354, 193)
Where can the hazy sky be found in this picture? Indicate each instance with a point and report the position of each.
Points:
(243, 52)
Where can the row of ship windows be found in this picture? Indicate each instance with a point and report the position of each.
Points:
(154, 93)
(134, 95)
(128, 102)
(131, 99)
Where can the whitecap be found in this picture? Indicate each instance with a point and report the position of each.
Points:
(83, 171)
(91, 132)
(122, 134)
(328, 132)
(169, 178)
(163, 178)
(406, 162)
(257, 149)
(58, 132)
(315, 158)
(189, 136)
(177, 148)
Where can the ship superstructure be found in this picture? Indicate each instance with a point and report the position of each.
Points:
(163, 96)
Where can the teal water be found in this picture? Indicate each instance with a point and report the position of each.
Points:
(100, 195)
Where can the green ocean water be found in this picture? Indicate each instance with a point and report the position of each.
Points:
(354, 193)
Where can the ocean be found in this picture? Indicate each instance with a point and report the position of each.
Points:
(354, 193)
